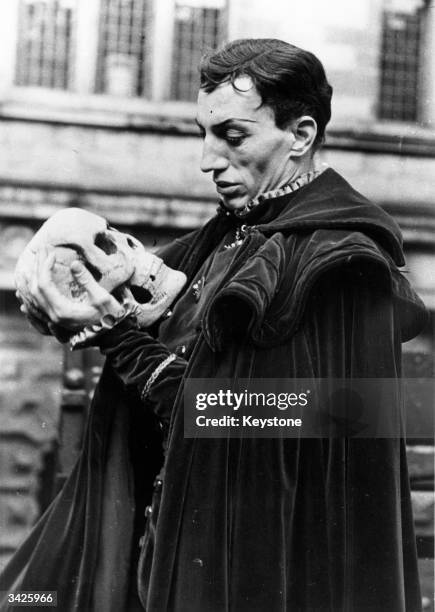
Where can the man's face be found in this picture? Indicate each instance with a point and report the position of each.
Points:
(247, 153)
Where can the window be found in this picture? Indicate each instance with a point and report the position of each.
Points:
(196, 28)
(122, 63)
(402, 31)
(45, 43)
(137, 49)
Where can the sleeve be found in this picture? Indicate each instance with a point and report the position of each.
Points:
(145, 366)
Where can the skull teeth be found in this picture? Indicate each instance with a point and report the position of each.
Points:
(84, 334)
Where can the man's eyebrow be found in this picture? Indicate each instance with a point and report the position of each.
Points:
(227, 121)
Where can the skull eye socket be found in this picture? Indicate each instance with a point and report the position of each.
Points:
(141, 295)
(104, 242)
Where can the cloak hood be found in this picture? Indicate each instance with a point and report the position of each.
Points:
(329, 202)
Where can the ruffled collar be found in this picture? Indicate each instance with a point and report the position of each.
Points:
(300, 181)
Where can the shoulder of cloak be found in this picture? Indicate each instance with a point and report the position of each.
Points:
(266, 297)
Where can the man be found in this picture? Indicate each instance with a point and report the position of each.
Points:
(295, 277)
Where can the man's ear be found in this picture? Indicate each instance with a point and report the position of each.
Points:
(304, 130)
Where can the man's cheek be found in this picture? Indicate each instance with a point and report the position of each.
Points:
(261, 169)
(252, 166)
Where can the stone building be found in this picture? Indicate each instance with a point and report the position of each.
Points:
(97, 111)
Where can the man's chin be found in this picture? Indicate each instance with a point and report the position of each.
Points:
(235, 202)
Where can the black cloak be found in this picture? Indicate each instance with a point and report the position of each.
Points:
(247, 524)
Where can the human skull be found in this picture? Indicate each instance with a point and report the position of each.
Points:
(116, 261)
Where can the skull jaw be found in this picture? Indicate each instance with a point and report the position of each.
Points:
(164, 289)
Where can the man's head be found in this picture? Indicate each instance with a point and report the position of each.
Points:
(263, 107)
(290, 80)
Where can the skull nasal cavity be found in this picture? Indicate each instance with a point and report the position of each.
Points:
(105, 243)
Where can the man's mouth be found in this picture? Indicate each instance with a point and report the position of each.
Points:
(226, 188)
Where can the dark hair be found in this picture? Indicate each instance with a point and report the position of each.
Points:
(290, 80)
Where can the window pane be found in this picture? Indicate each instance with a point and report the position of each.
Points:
(196, 29)
(400, 64)
(123, 63)
(45, 43)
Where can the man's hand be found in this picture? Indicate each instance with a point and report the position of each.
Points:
(50, 308)
(42, 323)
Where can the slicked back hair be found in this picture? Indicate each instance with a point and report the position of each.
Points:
(290, 80)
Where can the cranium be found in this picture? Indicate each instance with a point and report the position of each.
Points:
(116, 261)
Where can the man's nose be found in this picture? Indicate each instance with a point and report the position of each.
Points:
(213, 158)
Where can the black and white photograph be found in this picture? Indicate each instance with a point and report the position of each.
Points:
(217, 300)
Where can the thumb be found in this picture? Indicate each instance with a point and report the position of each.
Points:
(99, 298)
(85, 280)
(80, 272)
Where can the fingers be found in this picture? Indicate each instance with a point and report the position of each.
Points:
(29, 308)
(60, 310)
(86, 281)
(35, 321)
(126, 294)
(38, 319)
(47, 305)
(45, 327)
(98, 297)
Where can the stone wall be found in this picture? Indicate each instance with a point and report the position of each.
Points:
(30, 383)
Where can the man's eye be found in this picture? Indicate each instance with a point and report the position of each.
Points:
(234, 138)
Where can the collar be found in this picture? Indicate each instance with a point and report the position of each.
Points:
(300, 181)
